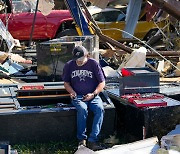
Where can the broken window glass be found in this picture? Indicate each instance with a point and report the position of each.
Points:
(20, 6)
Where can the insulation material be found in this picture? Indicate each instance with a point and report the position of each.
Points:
(136, 59)
(132, 16)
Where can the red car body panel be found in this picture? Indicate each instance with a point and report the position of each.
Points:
(20, 24)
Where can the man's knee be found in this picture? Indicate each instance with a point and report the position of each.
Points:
(82, 109)
(99, 110)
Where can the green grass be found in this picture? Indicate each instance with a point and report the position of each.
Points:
(46, 148)
(66, 147)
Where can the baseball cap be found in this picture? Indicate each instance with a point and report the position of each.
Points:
(79, 51)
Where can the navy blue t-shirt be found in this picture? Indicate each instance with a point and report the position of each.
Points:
(83, 79)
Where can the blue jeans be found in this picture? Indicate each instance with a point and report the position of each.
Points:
(96, 106)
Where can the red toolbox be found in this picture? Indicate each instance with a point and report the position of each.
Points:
(146, 100)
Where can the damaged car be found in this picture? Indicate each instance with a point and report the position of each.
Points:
(112, 23)
(18, 16)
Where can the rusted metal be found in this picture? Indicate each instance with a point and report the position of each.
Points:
(129, 50)
(164, 53)
(169, 8)
(110, 52)
(114, 42)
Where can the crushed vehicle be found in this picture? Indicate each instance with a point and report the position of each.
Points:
(112, 22)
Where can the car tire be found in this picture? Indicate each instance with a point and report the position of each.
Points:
(67, 32)
(150, 34)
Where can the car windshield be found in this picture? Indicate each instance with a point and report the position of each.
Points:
(109, 16)
(20, 6)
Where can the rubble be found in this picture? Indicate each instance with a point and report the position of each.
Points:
(119, 56)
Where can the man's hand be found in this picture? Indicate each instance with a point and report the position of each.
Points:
(70, 90)
(73, 95)
(88, 97)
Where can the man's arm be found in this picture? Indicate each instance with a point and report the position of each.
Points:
(70, 89)
(98, 89)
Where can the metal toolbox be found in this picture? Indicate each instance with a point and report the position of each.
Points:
(141, 80)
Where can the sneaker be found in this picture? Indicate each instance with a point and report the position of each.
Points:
(82, 142)
(94, 146)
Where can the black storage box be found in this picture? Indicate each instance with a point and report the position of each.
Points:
(143, 80)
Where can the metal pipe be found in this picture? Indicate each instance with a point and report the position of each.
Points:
(34, 19)
(165, 53)
(153, 54)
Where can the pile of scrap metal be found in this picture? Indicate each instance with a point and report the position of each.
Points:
(163, 57)
(11, 64)
(167, 58)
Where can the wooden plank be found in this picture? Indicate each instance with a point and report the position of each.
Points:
(10, 81)
(7, 106)
(5, 81)
(3, 103)
(6, 109)
(17, 81)
(174, 79)
(42, 90)
(43, 96)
